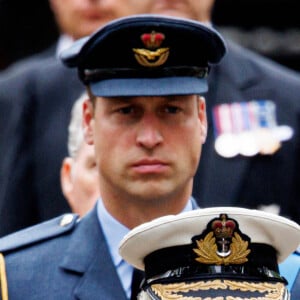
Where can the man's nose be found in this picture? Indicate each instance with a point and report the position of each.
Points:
(149, 133)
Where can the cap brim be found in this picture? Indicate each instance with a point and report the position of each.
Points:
(166, 86)
(169, 231)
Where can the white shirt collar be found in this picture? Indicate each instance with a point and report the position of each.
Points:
(113, 230)
(64, 42)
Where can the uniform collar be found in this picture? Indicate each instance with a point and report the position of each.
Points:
(114, 231)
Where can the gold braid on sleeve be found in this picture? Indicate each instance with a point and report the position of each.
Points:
(3, 280)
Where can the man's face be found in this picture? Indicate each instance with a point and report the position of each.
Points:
(79, 18)
(147, 148)
(191, 9)
(79, 179)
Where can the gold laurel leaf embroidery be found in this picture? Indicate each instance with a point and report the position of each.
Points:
(273, 291)
(239, 251)
(174, 291)
(207, 251)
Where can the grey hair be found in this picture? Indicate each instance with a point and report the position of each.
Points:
(75, 129)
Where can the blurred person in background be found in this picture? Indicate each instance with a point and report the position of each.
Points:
(79, 175)
(257, 181)
(75, 19)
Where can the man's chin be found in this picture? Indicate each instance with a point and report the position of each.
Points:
(173, 12)
(174, 8)
(150, 193)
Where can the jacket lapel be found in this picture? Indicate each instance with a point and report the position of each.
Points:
(218, 179)
(89, 257)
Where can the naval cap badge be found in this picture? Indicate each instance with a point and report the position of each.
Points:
(223, 244)
(152, 55)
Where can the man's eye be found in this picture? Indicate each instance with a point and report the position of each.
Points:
(126, 110)
(172, 109)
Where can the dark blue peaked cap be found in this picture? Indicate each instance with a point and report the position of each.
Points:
(146, 55)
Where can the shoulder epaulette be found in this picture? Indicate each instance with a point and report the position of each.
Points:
(39, 232)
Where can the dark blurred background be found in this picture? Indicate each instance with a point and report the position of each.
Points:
(270, 27)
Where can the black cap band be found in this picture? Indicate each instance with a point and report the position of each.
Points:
(180, 262)
(92, 75)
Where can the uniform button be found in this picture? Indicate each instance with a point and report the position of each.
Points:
(66, 220)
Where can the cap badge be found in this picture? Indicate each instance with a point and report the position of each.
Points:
(152, 55)
(222, 245)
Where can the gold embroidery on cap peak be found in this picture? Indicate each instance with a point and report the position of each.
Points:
(152, 56)
(173, 291)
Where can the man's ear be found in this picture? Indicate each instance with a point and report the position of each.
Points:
(203, 118)
(66, 176)
(88, 118)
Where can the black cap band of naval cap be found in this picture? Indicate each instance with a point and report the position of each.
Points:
(179, 262)
(92, 75)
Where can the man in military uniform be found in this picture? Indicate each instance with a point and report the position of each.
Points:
(147, 121)
(145, 77)
(35, 139)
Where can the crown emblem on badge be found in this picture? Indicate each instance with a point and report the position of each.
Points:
(152, 55)
(223, 228)
(152, 40)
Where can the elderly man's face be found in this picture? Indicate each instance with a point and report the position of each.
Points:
(79, 18)
(191, 9)
(79, 180)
